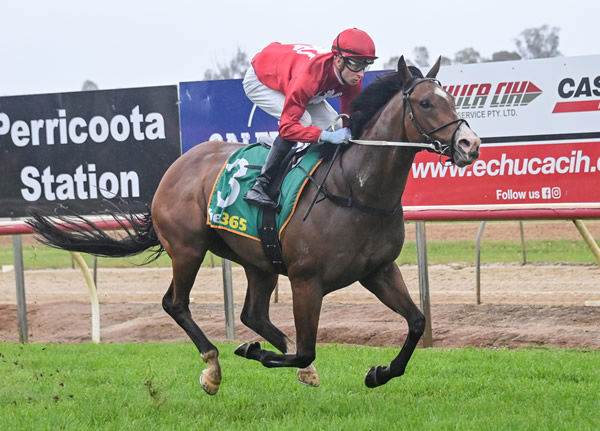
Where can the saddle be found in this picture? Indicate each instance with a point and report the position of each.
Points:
(227, 210)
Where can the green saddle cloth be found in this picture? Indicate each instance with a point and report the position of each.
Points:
(227, 208)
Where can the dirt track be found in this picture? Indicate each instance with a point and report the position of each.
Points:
(522, 305)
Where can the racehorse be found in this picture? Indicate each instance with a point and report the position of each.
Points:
(355, 234)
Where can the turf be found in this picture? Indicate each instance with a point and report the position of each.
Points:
(154, 386)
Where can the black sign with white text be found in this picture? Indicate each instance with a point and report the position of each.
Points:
(86, 149)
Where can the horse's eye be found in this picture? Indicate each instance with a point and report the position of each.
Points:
(425, 104)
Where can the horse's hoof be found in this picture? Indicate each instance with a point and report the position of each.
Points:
(374, 377)
(210, 386)
(308, 376)
(243, 349)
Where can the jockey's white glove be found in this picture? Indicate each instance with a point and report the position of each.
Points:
(340, 136)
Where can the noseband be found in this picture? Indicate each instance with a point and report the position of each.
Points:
(441, 148)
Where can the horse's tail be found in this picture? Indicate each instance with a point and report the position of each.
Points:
(76, 233)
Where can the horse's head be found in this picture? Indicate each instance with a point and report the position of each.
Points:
(429, 115)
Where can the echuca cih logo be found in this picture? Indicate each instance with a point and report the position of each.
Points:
(488, 95)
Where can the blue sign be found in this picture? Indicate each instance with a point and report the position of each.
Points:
(220, 110)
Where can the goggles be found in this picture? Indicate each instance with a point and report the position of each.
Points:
(356, 64)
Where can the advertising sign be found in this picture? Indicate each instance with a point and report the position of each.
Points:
(513, 101)
(549, 176)
(539, 121)
(540, 125)
(83, 150)
(220, 111)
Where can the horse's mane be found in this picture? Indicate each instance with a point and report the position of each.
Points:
(374, 97)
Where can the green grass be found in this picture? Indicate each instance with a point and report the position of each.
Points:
(538, 251)
(154, 386)
(40, 256)
(567, 251)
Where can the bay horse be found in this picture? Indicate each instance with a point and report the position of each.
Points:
(354, 235)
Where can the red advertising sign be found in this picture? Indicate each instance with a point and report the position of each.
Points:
(553, 177)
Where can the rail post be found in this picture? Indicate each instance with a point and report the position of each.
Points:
(478, 263)
(589, 239)
(424, 282)
(228, 299)
(523, 249)
(89, 280)
(20, 286)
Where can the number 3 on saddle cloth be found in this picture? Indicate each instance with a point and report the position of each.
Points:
(228, 210)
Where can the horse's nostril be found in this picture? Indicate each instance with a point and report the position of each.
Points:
(465, 144)
(468, 146)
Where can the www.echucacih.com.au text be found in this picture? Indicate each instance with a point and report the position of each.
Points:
(576, 162)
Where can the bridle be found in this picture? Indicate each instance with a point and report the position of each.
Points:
(439, 147)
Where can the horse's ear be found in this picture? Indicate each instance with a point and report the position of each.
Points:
(402, 69)
(435, 69)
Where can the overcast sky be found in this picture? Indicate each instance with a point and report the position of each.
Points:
(54, 46)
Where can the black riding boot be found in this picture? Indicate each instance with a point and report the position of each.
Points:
(258, 194)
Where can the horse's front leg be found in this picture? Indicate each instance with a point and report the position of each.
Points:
(387, 284)
(307, 299)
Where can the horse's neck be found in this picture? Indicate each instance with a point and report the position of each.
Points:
(380, 172)
(377, 172)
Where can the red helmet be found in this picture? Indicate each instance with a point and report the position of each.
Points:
(354, 43)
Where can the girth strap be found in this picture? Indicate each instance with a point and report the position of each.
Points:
(270, 240)
(349, 202)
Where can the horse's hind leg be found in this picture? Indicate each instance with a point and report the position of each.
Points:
(307, 299)
(176, 303)
(387, 284)
(255, 315)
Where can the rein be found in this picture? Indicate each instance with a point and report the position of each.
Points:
(394, 144)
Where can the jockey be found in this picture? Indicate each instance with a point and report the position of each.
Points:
(291, 83)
